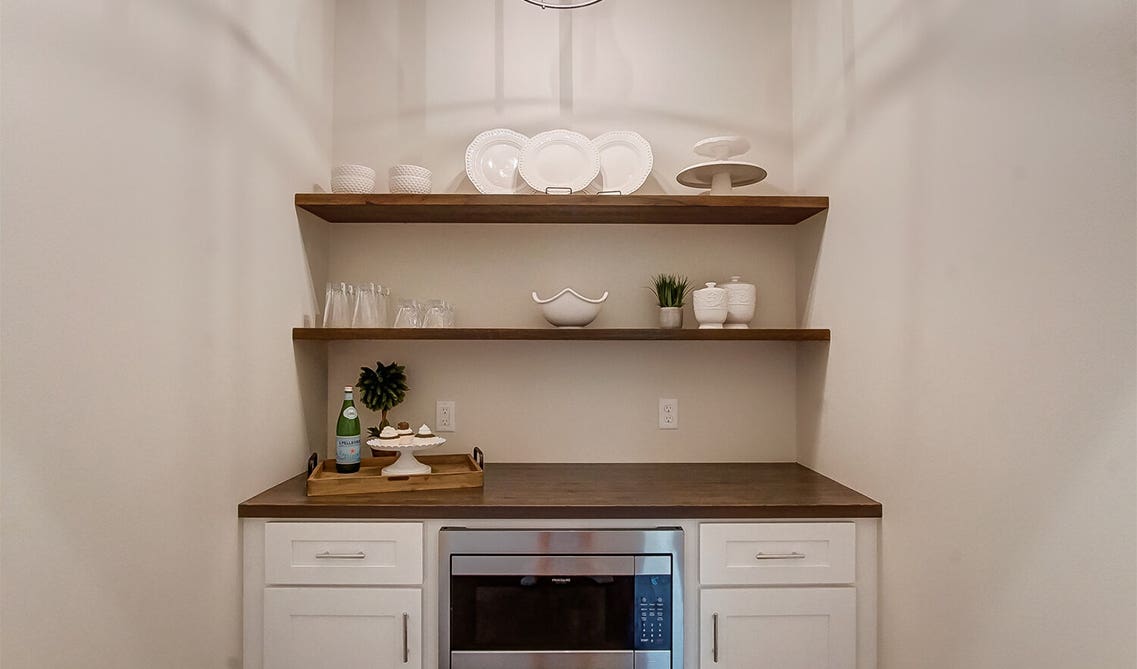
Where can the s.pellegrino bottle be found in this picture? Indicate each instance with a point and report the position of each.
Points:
(347, 436)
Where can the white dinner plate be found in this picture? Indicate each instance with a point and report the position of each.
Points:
(625, 162)
(559, 159)
(491, 162)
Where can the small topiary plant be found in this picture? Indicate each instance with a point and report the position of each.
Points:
(382, 389)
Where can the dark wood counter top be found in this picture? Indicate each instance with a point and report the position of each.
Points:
(655, 490)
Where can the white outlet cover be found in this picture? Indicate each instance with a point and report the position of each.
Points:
(668, 414)
(444, 416)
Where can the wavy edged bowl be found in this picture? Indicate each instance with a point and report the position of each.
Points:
(570, 309)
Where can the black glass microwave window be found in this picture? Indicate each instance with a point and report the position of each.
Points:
(542, 612)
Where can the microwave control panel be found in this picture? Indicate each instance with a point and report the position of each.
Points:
(653, 612)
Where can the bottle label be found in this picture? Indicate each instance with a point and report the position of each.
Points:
(350, 413)
(347, 450)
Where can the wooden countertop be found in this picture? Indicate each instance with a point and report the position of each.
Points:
(648, 490)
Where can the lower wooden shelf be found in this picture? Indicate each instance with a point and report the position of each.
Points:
(559, 334)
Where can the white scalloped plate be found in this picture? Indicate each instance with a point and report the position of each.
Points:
(625, 162)
(559, 159)
(491, 162)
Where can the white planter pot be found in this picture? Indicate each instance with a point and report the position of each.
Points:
(670, 318)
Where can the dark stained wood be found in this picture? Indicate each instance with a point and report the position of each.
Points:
(560, 334)
(649, 490)
(530, 209)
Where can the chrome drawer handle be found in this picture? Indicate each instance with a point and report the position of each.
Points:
(326, 555)
(780, 556)
(715, 637)
(406, 648)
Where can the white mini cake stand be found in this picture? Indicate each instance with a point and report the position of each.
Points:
(406, 464)
(721, 174)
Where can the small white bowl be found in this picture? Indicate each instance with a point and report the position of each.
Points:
(416, 185)
(353, 171)
(570, 309)
(409, 171)
(353, 184)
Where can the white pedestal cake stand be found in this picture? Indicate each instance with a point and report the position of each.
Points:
(406, 464)
(721, 174)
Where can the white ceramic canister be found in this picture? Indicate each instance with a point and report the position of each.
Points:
(741, 298)
(710, 307)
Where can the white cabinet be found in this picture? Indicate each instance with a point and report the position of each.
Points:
(788, 628)
(345, 628)
(789, 615)
(343, 553)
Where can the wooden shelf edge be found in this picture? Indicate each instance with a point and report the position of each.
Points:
(563, 209)
(554, 334)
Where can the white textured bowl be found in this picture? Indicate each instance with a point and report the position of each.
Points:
(570, 309)
(353, 171)
(416, 185)
(353, 184)
(409, 171)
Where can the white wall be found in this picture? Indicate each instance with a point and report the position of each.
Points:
(977, 267)
(416, 81)
(151, 267)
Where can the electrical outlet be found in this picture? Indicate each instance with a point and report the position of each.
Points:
(444, 416)
(668, 414)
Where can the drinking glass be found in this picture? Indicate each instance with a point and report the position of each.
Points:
(435, 314)
(409, 314)
(337, 305)
(370, 307)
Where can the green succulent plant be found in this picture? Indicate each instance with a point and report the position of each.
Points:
(382, 389)
(670, 289)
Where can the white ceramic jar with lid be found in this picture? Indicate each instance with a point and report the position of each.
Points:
(741, 299)
(710, 307)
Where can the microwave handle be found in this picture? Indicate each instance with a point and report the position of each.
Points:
(715, 637)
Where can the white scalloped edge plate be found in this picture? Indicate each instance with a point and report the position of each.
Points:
(491, 162)
(625, 162)
(559, 159)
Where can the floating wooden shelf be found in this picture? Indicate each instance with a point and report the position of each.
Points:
(591, 209)
(558, 334)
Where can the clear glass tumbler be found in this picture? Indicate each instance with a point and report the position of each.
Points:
(337, 305)
(370, 307)
(409, 314)
(435, 314)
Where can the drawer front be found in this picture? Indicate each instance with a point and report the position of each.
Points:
(343, 553)
(776, 553)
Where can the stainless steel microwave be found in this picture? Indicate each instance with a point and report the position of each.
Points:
(560, 599)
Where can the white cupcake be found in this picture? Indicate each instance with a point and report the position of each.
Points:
(424, 437)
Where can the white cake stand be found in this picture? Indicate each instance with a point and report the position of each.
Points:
(406, 464)
(721, 175)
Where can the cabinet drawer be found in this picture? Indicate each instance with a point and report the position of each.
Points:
(343, 553)
(776, 553)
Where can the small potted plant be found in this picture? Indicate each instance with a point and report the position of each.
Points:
(670, 291)
(382, 389)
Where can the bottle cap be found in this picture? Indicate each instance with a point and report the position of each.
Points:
(347, 389)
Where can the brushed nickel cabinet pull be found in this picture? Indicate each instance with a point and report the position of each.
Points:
(715, 637)
(326, 555)
(780, 556)
(406, 648)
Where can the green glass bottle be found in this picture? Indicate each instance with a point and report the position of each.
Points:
(347, 436)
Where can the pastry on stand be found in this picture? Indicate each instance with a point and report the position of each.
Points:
(406, 442)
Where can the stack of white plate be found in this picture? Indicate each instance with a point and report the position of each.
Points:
(502, 161)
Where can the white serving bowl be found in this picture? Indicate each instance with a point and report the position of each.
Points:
(416, 185)
(570, 309)
(409, 171)
(353, 171)
(353, 184)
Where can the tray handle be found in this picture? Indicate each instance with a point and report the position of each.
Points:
(479, 457)
(313, 460)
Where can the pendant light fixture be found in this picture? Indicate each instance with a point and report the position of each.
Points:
(562, 4)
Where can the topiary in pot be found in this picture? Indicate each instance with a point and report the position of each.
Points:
(382, 389)
(670, 291)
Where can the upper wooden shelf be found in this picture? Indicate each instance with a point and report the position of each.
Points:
(597, 209)
(563, 334)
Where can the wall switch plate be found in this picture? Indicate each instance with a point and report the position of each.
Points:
(444, 416)
(668, 414)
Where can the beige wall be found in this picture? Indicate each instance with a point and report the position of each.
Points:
(416, 81)
(151, 267)
(977, 268)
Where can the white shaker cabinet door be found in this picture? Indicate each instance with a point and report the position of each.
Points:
(787, 628)
(345, 628)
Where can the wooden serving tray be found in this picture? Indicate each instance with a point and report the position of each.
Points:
(449, 471)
